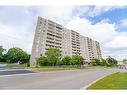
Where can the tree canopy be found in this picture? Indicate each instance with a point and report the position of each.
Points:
(66, 60)
(99, 62)
(111, 61)
(54, 58)
(17, 54)
(77, 60)
(1, 53)
(53, 54)
(125, 61)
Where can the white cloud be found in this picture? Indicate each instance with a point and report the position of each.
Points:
(97, 31)
(17, 26)
(123, 23)
(119, 42)
(98, 10)
(64, 14)
(15, 37)
(56, 13)
(111, 41)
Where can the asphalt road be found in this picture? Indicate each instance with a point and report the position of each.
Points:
(13, 70)
(73, 79)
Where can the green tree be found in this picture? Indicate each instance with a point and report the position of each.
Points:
(17, 54)
(77, 60)
(99, 62)
(111, 61)
(2, 56)
(125, 61)
(96, 62)
(53, 55)
(66, 60)
(93, 63)
(103, 62)
(42, 61)
(59, 62)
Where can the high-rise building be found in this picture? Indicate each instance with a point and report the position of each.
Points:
(51, 34)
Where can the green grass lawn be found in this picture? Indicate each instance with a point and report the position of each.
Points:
(114, 81)
(58, 68)
(17, 65)
(14, 65)
(54, 68)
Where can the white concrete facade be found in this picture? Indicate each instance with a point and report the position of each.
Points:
(50, 34)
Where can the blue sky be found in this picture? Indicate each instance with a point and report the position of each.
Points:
(106, 24)
(114, 15)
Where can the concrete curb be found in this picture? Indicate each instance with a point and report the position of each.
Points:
(85, 87)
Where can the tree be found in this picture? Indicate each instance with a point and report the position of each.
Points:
(59, 62)
(77, 60)
(99, 62)
(125, 61)
(66, 60)
(93, 63)
(17, 54)
(103, 62)
(96, 62)
(53, 55)
(111, 61)
(42, 61)
(2, 56)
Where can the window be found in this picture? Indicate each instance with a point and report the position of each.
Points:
(50, 31)
(50, 34)
(58, 27)
(51, 25)
(40, 22)
(50, 38)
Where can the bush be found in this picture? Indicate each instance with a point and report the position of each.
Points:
(66, 60)
(103, 62)
(59, 63)
(42, 61)
(93, 63)
(28, 64)
(77, 60)
(99, 62)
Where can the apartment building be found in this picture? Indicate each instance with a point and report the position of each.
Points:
(51, 34)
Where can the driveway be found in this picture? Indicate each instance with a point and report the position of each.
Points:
(73, 79)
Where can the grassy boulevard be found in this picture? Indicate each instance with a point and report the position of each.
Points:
(114, 81)
(53, 68)
(14, 65)
(59, 68)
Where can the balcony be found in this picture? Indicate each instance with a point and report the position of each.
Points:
(59, 27)
(50, 34)
(58, 36)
